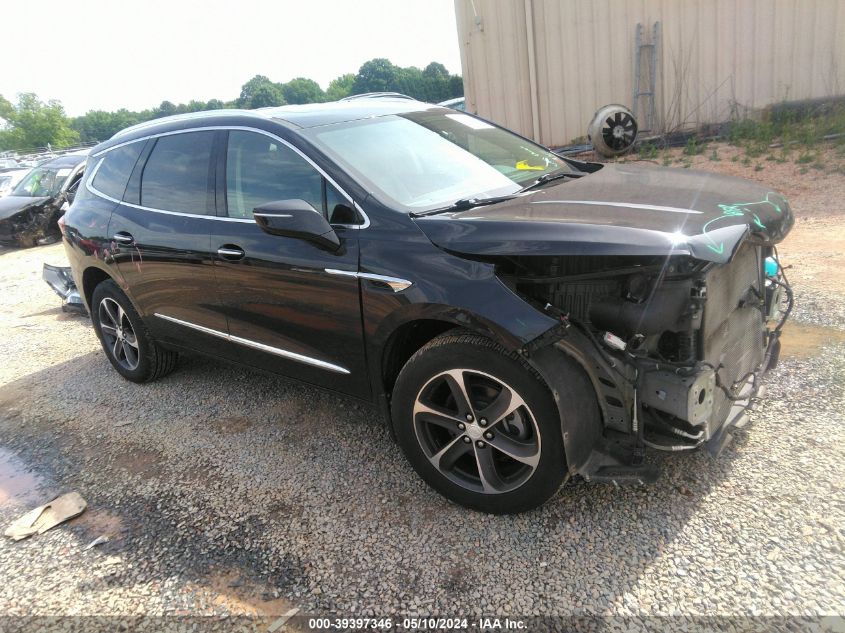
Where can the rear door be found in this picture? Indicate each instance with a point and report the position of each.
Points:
(287, 306)
(161, 240)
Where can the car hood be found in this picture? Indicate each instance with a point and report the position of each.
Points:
(12, 205)
(621, 210)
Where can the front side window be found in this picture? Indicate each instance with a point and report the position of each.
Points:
(114, 171)
(260, 169)
(178, 176)
(430, 159)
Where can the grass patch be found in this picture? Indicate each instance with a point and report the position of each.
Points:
(648, 151)
(802, 124)
(694, 147)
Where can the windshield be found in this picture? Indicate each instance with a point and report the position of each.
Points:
(428, 160)
(42, 182)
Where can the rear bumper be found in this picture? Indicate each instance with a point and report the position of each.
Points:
(60, 279)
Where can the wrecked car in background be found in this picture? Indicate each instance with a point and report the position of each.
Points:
(519, 317)
(9, 179)
(29, 214)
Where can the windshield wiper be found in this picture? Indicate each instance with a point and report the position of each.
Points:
(554, 175)
(462, 205)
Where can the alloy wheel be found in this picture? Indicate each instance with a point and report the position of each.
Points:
(118, 334)
(477, 431)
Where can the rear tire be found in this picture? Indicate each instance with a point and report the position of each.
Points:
(479, 425)
(126, 341)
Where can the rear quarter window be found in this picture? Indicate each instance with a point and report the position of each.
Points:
(115, 169)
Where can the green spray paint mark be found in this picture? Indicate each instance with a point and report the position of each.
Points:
(738, 209)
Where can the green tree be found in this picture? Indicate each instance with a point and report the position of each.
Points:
(376, 75)
(436, 70)
(436, 81)
(196, 106)
(98, 125)
(410, 81)
(6, 108)
(456, 87)
(340, 87)
(32, 123)
(260, 92)
(302, 90)
(433, 84)
(266, 96)
(165, 108)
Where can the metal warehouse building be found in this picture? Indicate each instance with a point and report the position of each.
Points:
(543, 67)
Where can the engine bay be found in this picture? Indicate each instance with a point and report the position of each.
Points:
(685, 341)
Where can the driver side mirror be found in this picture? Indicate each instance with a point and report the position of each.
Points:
(296, 218)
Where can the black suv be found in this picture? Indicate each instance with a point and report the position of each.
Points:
(519, 317)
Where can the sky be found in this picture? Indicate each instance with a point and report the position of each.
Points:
(111, 54)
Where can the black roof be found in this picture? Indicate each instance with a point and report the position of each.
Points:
(292, 116)
(314, 114)
(67, 160)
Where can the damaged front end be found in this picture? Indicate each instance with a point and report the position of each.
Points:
(675, 346)
(28, 222)
(667, 292)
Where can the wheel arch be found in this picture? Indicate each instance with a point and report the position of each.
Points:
(567, 371)
(404, 342)
(93, 275)
(396, 340)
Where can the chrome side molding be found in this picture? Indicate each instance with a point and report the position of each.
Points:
(307, 360)
(395, 283)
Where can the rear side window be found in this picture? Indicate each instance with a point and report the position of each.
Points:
(115, 169)
(177, 176)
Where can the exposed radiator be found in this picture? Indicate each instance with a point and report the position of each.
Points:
(732, 336)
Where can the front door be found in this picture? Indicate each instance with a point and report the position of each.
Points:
(287, 313)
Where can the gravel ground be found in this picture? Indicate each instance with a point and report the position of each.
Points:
(227, 491)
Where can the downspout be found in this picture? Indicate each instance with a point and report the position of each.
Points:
(532, 69)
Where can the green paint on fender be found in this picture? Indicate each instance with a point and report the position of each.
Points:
(739, 209)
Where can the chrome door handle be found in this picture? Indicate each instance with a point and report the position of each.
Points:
(122, 237)
(230, 252)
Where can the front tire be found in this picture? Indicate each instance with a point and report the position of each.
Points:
(479, 425)
(126, 341)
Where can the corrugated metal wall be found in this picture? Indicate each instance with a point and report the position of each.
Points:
(714, 56)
